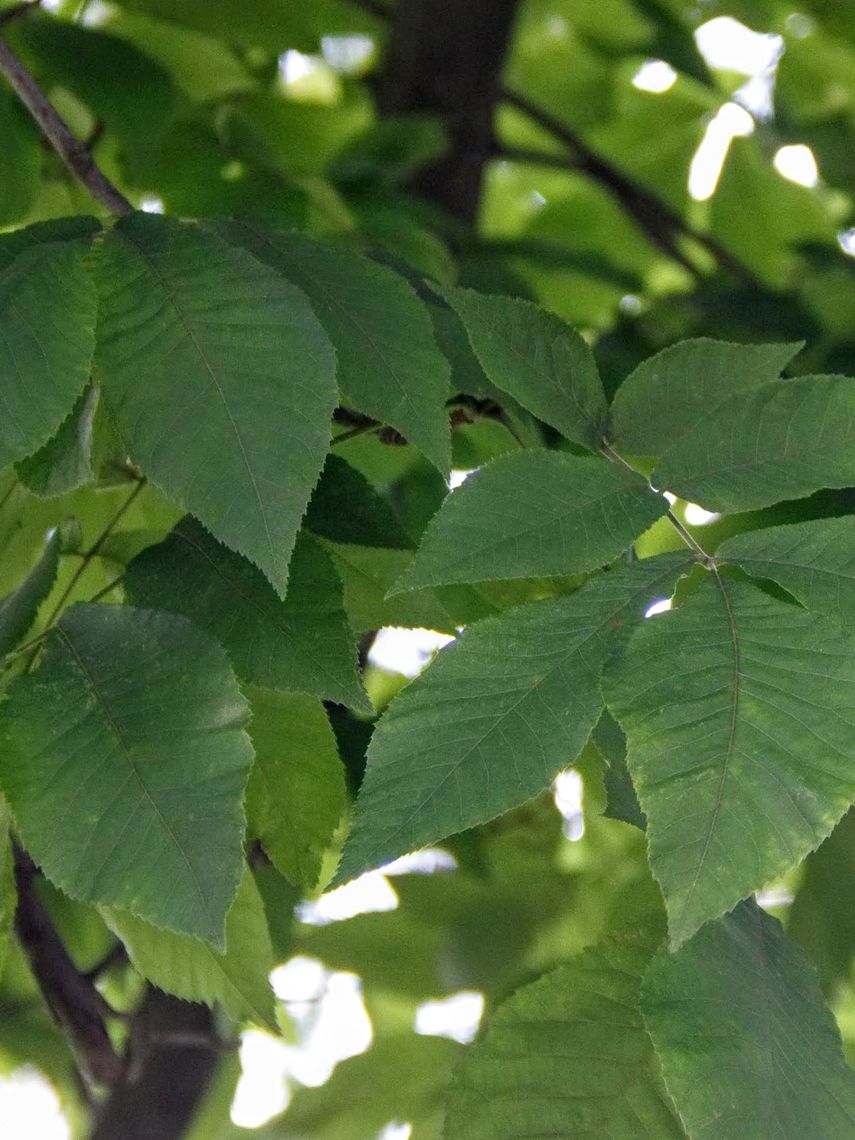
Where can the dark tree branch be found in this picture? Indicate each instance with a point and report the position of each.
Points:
(660, 222)
(70, 995)
(173, 1052)
(58, 134)
(15, 10)
(445, 58)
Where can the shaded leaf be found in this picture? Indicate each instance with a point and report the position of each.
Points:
(568, 1056)
(64, 463)
(220, 381)
(346, 508)
(533, 513)
(236, 978)
(389, 366)
(303, 643)
(777, 441)
(538, 359)
(47, 312)
(621, 799)
(814, 561)
(496, 715)
(747, 1046)
(296, 792)
(737, 710)
(18, 610)
(666, 395)
(124, 762)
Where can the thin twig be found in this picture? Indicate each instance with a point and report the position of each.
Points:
(656, 218)
(707, 559)
(361, 429)
(15, 10)
(93, 551)
(58, 134)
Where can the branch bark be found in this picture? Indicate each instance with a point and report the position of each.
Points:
(58, 134)
(445, 58)
(70, 995)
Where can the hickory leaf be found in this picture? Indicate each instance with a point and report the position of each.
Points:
(47, 313)
(738, 713)
(777, 441)
(496, 715)
(814, 561)
(541, 1069)
(303, 644)
(535, 357)
(389, 366)
(669, 393)
(533, 513)
(746, 1044)
(220, 381)
(124, 760)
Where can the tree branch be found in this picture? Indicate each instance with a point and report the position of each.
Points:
(659, 221)
(71, 996)
(58, 134)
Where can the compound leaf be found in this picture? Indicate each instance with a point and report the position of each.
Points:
(496, 715)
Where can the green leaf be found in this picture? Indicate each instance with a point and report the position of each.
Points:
(237, 978)
(746, 1044)
(389, 366)
(296, 792)
(18, 610)
(621, 799)
(47, 313)
(666, 395)
(220, 380)
(533, 513)
(814, 560)
(124, 762)
(568, 1056)
(496, 715)
(65, 461)
(778, 441)
(346, 508)
(303, 644)
(737, 713)
(536, 358)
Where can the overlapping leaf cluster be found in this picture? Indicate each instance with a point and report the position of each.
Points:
(150, 732)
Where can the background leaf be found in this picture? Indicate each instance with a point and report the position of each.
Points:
(296, 792)
(195, 971)
(220, 380)
(18, 610)
(302, 644)
(124, 761)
